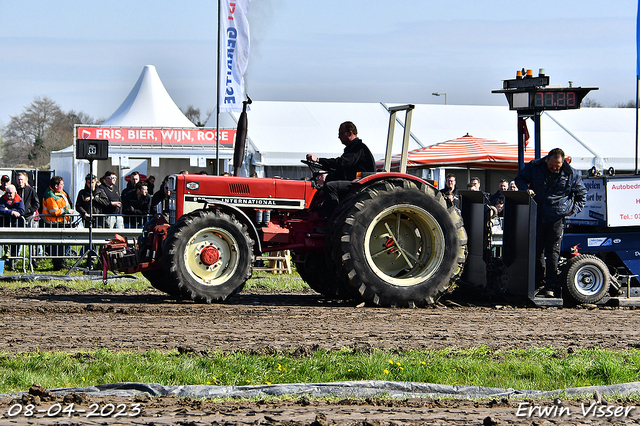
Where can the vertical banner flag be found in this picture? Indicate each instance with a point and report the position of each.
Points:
(638, 43)
(234, 49)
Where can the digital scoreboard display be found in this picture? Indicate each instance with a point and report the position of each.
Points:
(555, 100)
(544, 98)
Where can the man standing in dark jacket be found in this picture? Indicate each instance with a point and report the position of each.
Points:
(138, 203)
(558, 190)
(344, 169)
(91, 200)
(114, 208)
(31, 206)
(28, 195)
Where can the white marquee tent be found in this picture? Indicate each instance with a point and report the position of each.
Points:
(147, 105)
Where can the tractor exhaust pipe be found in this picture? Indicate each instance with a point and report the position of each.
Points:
(241, 136)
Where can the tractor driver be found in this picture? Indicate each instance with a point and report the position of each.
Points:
(356, 158)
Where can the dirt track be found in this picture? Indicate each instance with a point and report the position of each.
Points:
(60, 319)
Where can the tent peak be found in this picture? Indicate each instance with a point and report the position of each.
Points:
(148, 104)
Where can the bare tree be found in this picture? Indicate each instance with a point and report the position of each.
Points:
(42, 127)
(193, 114)
(590, 103)
(628, 104)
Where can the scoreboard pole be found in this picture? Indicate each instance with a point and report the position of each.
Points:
(521, 138)
(530, 96)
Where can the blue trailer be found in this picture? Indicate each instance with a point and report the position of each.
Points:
(606, 234)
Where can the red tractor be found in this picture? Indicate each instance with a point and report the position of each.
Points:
(393, 241)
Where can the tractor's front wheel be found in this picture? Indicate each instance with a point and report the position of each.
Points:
(209, 255)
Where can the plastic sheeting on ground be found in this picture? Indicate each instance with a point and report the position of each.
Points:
(51, 277)
(354, 389)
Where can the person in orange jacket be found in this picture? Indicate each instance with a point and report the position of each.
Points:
(56, 212)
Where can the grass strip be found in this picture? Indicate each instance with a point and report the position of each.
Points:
(260, 281)
(536, 369)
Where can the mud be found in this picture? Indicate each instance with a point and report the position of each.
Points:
(54, 319)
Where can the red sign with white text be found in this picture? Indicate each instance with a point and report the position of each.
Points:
(155, 136)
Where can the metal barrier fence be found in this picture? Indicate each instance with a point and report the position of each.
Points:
(24, 243)
(27, 242)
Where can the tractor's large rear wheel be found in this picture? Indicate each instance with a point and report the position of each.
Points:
(158, 278)
(209, 255)
(400, 245)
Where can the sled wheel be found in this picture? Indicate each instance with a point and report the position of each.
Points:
(209, 255)
(400, 245)
(586, 278)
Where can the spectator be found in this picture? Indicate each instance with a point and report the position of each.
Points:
(513, 186)
(56, 211)
(138, 203)
(471, 186)
(12, 211)
(450, 192)
(29, 198)
(31, 206)
(151, 180)
(91, 200)
(114, 208)
(498, 203)
(4, 181)
(3, 184)
(134, 178)
(160, 200)
(558, 191)
(11, 206)
(476, 182)
(502, 187)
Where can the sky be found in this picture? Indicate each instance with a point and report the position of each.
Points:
(87, 55)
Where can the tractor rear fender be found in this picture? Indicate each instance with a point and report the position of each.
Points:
(370, 178)
(242, 218)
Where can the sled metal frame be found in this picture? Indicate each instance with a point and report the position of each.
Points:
(475, 216)
(405, 140)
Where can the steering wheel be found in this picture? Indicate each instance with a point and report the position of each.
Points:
(317, 169)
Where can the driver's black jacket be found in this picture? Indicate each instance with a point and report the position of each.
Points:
(356, 158)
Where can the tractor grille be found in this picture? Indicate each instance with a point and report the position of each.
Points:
(239, 188)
